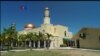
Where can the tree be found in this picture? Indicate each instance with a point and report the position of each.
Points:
(13, 33)
(30, 37)
(40, 37)
(1, 38)
(48, 39)
(6, 36)
(1, 41)
(34, 38)
(9, 35)
(21, 39)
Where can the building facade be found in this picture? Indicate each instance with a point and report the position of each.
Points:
(88, 38)
(58, 31)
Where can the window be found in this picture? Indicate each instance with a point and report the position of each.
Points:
(43, 30)
(54, 30)
(99, 38)
(65, 33)
(82, 35)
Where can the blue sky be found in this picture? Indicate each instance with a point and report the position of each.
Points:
(73, 14)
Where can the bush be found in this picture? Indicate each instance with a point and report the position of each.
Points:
(63, 45)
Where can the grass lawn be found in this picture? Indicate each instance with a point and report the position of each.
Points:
(33, 53)
(71, 52)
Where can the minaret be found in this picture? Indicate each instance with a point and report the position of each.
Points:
(46, 16)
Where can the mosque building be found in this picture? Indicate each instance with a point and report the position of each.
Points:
(58, 31)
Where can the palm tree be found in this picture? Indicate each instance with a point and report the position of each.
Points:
(44, 39)
(34, 38)
(48, 39)
(40, 37)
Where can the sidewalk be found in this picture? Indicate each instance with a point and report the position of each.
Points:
(23, 50)
(65, 48)
(60, 48)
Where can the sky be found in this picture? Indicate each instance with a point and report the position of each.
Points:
(73, 14)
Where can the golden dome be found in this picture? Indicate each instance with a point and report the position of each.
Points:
(29, 26)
